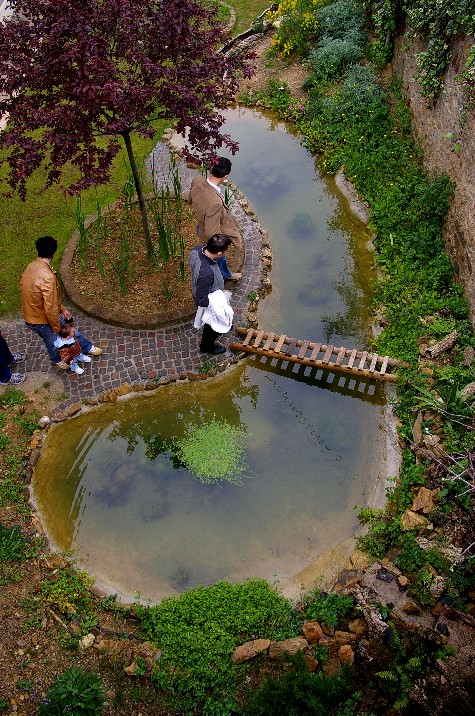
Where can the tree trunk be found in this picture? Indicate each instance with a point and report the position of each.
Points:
(140, 196)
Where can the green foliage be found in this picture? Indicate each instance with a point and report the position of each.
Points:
(331, 58)
(437, 22)
(207, 365)
(13, 396)
(300, 693)
(329, 608)
(75, 691)
(410, 662)
(198, 631)
(342, 20)
(68, 591)
(12, 545)
(213, 451)
(451, 402)
(297, 27)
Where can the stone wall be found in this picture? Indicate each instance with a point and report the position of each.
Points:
(448, 142)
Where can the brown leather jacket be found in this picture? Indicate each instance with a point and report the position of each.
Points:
(211, 214)
(40, 296)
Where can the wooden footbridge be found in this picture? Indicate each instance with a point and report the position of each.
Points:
(317, 355)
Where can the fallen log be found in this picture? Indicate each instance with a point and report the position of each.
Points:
(444, 345)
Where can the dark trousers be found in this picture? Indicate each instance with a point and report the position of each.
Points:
(6, 359)
(208, 338)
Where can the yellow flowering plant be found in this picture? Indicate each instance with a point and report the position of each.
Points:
(296, 23)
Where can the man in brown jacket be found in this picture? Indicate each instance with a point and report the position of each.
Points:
(211, 212)
(41, 301)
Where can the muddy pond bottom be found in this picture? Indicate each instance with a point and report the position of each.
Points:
(109, 486)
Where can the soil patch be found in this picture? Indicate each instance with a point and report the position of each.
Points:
(109, 275)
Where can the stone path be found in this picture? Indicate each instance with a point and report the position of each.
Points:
(136, 357)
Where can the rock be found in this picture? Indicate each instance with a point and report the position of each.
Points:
(131, 669)
(249, 650)
(313, 632)
(123, 389)
(86, 642)
(36, 440)
(438, 586)
(332, 667)
(310, 662)
(90, 401)
(412, 520)
(359, 560)
(34, 456)
(277, 649)
(344, 637)
(44, 421)
(424, 501)
(403, 581)
(73, 409)
(358, 626)
(417, 429)
(411, 607)
(329, 631)
(346, 654)
(390, 567)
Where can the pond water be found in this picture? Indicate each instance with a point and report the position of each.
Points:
(107, 484)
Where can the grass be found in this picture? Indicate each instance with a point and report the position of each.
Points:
(246, 12)
(50, 211)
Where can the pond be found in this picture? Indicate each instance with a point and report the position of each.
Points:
(108, 484)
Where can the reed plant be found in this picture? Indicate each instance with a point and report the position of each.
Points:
(80, 225)
(101, 233)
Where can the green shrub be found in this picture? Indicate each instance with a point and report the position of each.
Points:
(331, 609)
(332, 57)
(76, 692)
(300, 693)
(342, 20)
(297, 26)
(198, 631)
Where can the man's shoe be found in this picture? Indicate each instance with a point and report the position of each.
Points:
(18, 357)
(16, 378)
(95, 351)
(61, 364)
(215, 350)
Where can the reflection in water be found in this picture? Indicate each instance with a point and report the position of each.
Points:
(108, 483)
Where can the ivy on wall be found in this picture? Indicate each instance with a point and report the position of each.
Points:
(437, 22)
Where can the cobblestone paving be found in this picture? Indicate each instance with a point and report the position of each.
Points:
(138, 356)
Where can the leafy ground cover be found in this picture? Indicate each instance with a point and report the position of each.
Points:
(46, 603)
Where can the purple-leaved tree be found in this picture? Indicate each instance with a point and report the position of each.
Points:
(74, 71)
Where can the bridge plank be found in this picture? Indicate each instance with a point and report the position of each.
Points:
(258, 340)
(303, 349)
(352, 358)
(340, 356)
(291, 347)
(328, 354)
(247, 339)
(363, 360)
(269, 341)
(384, 365)
(374, 360)
(315, 352)
(280, 343)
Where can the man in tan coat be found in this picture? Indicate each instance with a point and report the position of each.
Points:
(41, 301)
(211, 212)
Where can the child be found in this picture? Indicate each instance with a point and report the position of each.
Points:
(69, 349)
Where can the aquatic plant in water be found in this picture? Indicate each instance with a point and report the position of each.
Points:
(213, 451)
